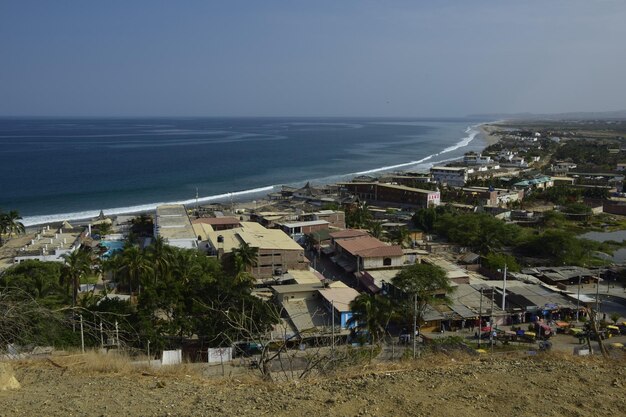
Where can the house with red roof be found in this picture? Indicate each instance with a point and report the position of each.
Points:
(362, 251)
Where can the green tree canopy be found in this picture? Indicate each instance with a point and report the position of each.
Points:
(481, 232)
(428, 283)
(371, 313)
(496, 261)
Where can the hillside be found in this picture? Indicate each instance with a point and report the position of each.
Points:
(520, 386)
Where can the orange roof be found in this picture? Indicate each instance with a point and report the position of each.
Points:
(348, 233)
(369, 247)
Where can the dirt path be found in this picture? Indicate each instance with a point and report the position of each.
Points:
(464, 387)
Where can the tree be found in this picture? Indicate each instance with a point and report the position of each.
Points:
(358, 216)
(400, 235)
(426, 218)
(10, 224)
(614, 317)
(371, 313)
(375, 229)
(36, 278)
(481, 232)
(429, 283)
(495, 261)
(245, 257)
(77, 264)
(160, 254)
(136, 266)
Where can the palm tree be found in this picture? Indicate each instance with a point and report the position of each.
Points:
(185, 265)
(10, 224)
(245, 257)
(371, 313)
(160, 254)
(77, 264)
(136, 265)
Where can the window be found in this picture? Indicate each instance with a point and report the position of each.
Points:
(387, 262)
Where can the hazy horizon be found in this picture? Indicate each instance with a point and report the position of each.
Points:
(321, 59)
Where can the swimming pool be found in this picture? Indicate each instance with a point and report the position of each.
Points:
(112, 246)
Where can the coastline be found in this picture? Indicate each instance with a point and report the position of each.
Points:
(487, 132)
(248, 199)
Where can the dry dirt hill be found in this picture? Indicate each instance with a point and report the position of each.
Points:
(439, 386)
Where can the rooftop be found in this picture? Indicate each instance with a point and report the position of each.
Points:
(339, 297)
(367, 247)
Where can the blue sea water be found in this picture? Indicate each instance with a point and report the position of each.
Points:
(53, 169)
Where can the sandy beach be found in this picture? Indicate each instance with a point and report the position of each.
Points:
(487, 131)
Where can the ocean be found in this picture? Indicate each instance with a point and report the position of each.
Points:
(57, 169)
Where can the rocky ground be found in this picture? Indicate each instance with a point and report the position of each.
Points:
(439, 386)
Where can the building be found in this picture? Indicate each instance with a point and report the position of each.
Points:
(298, 230)
(540, 183)
(562, 167)
(452, 176)
(400, 195)
(51, 244)
(277, 252)
(365, 252)
(335, 219)
(489, 196)
(337, 301)
(472, 158)
(173, 225)
(219, 223)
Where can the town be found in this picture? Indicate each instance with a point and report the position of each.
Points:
(520, 247)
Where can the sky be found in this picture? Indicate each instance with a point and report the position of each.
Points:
(311, 58)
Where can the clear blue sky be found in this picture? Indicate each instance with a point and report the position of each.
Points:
(311, 58)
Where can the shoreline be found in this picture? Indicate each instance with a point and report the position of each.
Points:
(246, 198)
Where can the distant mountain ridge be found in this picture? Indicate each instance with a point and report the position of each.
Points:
(617, 114)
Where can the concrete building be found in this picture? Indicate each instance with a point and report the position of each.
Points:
(488, 196)
(472, 158)
(335, 219)
(172, 223)
(277, 252)
(50, 244)
(366, 252)
(400, 195)
(298, 230)
(219, 223)
(452, 176)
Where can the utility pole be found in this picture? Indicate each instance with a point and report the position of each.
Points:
(414, 325)
(480, 316)
(117, 335)
(597, 296)
(578, 299)
(332, 313)
(101, 335)
(82, 335)
(504, 290)
(491, 322)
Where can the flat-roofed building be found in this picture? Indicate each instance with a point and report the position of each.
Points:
(50, 245)
(297, 230)
(277, 252)
(173, 225)
(391, 193)
(336, 219)
(453, 176)
(219, 223)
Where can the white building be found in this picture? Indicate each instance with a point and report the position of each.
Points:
(453, 176)
(472, 158)
(172, 224)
